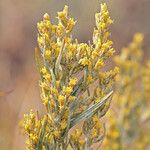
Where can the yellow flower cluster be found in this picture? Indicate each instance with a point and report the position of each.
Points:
(146, 80)
(112, 139)
(32, 127)
(65, 94)
(76, 140)
(131, 98)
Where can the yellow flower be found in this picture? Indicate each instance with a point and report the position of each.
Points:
(57, 133)
(95, 54)
(44, 85)
(63, 124)
(89, 79)
(67, 90)
(33, 137)
(63, 14)
(46, 16)
(138, 38)
(61, 100)
(54, 91)
(94, 133)
(99, 64)
(71, 98)
(84, 61)
(76, 135)
(58, 84)
(45, 101)
(81, 142)
(60, 30)
(47, 77)
(41, 41)
(73, 82)
(48, 55)
(70, 25)
(44, 70)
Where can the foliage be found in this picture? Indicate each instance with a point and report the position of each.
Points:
(67, 70)
(129, 127)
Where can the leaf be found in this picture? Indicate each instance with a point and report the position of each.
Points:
(47, 146)
(58, 60)
(53, 77)
(41, 137)
(77, 87)
(38, 59)
(89, 111)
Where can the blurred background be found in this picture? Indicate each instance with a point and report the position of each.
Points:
(18, 76)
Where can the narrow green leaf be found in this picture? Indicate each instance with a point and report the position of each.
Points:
(89, 111)
(37, 59)
(58, 60)
(42, 133)
(77, 87)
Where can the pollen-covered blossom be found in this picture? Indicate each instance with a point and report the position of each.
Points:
(67, 69)
(131, 100)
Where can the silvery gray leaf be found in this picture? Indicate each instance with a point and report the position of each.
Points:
(89, 111)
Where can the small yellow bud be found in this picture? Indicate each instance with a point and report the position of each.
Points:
(67, 90)
(73, 82)
(46, 16)
(84, 61)
(138, 37)
(48, 55)
(99, 64)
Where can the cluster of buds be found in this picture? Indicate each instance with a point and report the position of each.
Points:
(67, 70)
(131, 100)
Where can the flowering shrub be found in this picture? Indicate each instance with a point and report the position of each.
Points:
(129, 128)
(67, 69)
(73, 111)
